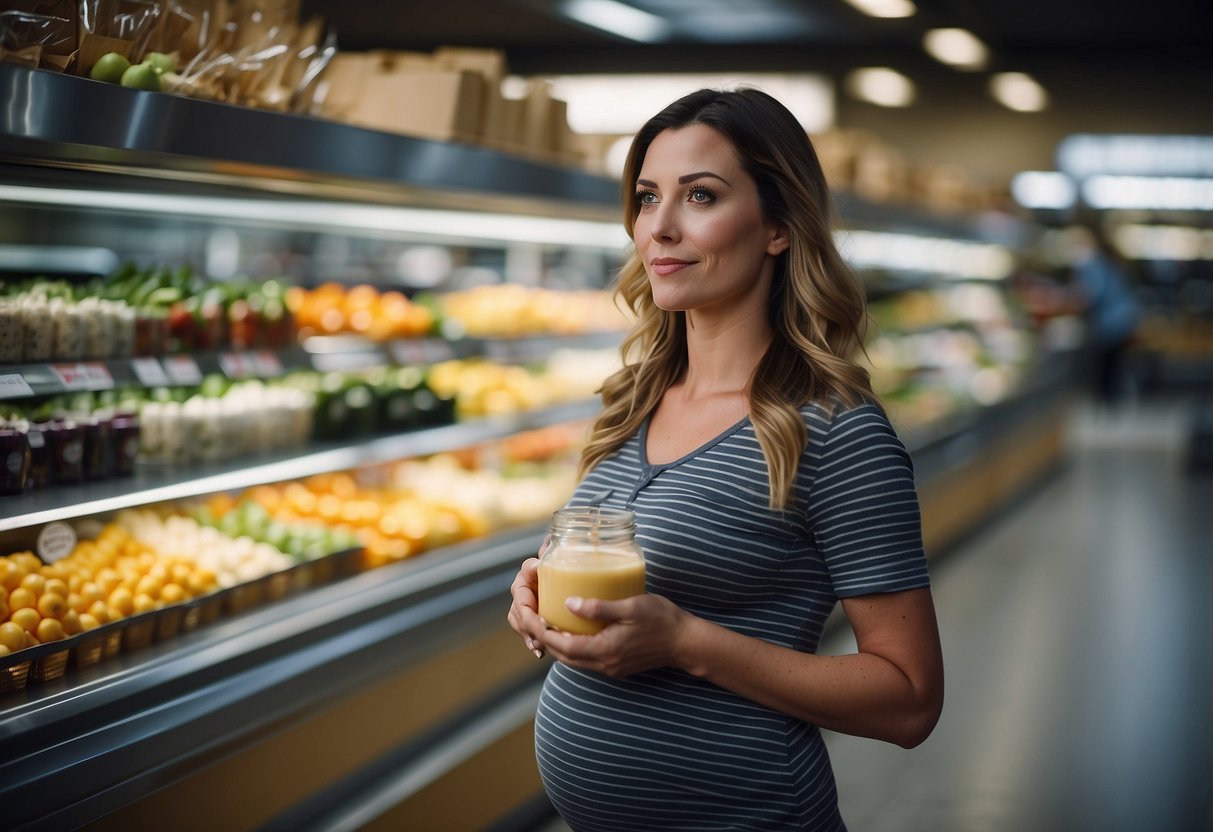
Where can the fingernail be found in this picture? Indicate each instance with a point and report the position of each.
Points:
(530, 645)
(573, 603)
(538, 654)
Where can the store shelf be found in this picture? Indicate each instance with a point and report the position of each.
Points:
(155, 483)
(238, 678)
(321, 353)
(180, 145)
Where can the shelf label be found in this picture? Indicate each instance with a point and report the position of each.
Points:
(90, 375)
(422, 351)
(268, 364)
(98, 376)
(237, 365)
(14, 386)
(73, 377)
(55, 541)
(182, 370)
(149, 372)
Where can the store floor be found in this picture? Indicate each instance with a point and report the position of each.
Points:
(1078, 642)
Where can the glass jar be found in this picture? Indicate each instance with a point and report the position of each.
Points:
(14, 457)
(590, 552)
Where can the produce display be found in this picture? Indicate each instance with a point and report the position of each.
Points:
(173, 557)
(511, 310)
(941, 351)
(139, 312)
(334, 308)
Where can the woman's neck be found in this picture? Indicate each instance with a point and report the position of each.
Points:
(722, 352)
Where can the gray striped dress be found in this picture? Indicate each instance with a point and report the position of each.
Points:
(663, 750)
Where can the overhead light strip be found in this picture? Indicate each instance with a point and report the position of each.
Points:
(618, 19)
(325, 216)
(1160, 193)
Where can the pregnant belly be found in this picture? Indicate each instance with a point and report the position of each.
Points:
(664, 750)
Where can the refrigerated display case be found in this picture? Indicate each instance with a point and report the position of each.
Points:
(392, 694)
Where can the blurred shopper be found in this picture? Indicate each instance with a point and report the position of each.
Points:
(1110, 309)
(767, 484)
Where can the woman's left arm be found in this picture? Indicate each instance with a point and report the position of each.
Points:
(891, 689)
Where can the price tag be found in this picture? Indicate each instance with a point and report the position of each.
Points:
(268, 364)
(97, 376)
(428, 351)
(182, 370)
(73, 377)
(14, 386)
(236, 365)
(149, 372)
(55, 541)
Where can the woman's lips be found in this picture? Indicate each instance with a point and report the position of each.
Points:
(668, 265)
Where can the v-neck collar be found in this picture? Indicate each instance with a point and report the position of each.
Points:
(706, 446)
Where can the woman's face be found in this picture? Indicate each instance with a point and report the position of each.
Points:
(699, 226)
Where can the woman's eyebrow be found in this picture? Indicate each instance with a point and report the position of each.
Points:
(690, 177)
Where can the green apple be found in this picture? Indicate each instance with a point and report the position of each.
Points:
(109, 68)
(161, 62)
(141, 77)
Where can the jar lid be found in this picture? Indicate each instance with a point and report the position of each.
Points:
(593, 518)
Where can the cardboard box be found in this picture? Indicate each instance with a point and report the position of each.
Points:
(434, 104)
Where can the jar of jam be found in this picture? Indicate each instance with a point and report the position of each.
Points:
(124, 439)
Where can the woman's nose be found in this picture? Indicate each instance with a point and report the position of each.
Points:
(664, 226)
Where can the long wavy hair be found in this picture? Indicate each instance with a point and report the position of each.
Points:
(817, 309)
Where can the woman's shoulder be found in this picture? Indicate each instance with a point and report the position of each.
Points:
(831, 415)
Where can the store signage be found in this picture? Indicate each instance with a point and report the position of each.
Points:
(14, 386)
(55, 541)
(1086, 154)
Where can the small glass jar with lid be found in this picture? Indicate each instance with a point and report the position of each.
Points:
(590, 552)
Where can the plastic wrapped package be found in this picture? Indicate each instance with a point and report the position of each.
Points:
(122, 26)
(39, 33)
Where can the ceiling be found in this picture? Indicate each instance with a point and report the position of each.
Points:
(1138, 66)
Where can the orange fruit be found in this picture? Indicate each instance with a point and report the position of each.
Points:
(50, 629)
(9, 577)
(12, 636)
(144, 603)
(51, 606)
(26, 618)
(71, 623)
(88, 621)
(172, 594)
(56, 585)
(122, 601)
(34, 581)
(22, 598)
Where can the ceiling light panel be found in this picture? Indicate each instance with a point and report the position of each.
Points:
(1018, 91)
(956, 47)
(885, 8)
(881, 86)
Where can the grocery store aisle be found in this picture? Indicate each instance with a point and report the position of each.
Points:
(1077, 640)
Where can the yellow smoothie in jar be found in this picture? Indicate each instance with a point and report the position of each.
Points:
(594, 574)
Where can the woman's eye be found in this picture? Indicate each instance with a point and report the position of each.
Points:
(646, 198)
(701, 195)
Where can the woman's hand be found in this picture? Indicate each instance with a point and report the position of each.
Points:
(641, 633)
(524, 608)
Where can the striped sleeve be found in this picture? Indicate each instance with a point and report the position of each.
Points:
(863, 507)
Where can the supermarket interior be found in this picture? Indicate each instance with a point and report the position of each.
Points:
(305, 308)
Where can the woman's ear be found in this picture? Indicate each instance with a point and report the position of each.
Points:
(779, 241)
